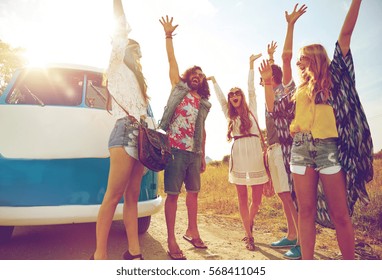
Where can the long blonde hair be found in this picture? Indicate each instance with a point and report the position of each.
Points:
(316, 76)
(135, 66)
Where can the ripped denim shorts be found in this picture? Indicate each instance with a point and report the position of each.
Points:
(316, 153)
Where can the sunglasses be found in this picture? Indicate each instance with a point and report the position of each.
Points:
(234, 93)
(303, 57)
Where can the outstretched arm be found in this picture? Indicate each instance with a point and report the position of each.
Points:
(271, 50)
(118, 8)
(266, 73)
(251, 84)
(348, 26)
(288, 44)
(169, 29)
(220, 96)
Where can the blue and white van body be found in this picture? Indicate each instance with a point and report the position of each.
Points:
(54, 158)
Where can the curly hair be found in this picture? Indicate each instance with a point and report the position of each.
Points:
(316, 76)
(243, 115)
(204, 90)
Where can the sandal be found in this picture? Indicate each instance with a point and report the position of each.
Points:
(177, 255)
(249, 243)
(128, 256)
(196, 242)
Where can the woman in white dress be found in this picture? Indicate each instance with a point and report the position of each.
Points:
(246, 166)
(127, 87)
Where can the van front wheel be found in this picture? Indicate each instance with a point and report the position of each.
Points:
(6, 233)
(143, 224)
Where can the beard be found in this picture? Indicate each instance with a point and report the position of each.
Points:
(194, 85)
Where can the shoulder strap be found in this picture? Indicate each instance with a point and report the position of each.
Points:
(261, 135)
(132, 118)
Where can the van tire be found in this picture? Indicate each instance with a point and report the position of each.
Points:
(143, 224)
(6, 233)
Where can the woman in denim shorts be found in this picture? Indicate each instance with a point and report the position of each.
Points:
(313, 126)
(127, 87)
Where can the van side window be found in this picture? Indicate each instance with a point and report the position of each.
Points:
(48, 87)
(96, 95)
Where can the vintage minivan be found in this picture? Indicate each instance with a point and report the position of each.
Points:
(54, 157)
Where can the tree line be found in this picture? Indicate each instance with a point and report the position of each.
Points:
(10, 59)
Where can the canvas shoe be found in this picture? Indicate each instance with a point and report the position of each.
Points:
(294, 253)
(284, 243)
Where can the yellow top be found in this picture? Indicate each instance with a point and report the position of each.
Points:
(315, 118)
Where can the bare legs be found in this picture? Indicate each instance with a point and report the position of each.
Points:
(290, 213)
(335, 192)
(125, 175)
(334, 188)
(248, 213)
(171, 206)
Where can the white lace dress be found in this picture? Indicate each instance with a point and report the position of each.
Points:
(122, 83)
(246, 165)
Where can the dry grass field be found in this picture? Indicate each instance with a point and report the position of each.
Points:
(218, 198)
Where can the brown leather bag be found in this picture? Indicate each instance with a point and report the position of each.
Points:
(154, 150)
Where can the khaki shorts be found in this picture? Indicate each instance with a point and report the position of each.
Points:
(277, 169)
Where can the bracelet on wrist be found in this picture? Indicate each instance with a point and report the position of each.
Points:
(268, 83)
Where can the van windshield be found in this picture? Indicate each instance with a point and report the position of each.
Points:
(48, 87)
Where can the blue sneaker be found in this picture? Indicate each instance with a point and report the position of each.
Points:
(284, 243)
(294, 253)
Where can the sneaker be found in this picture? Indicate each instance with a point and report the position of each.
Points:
(284, 243)
(294, 253)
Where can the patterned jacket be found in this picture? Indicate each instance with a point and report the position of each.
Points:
(354, 143)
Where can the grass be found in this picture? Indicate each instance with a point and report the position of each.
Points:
(218, 197)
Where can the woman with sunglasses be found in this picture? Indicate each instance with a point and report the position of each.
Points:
(246, 167)
(331, 136)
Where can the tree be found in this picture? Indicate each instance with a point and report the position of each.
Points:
(10, 60)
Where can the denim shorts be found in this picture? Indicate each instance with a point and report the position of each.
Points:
(316, 153)
(184, 167)
(125, 135)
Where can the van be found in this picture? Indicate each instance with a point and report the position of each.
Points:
(54, 158)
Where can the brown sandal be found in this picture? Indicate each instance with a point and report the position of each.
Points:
(249, 243)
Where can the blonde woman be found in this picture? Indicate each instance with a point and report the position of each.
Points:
(127, 87)
(331, 137)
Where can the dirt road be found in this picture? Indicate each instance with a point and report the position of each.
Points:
(222, 235)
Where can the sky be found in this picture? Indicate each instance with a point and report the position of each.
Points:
(218, 35)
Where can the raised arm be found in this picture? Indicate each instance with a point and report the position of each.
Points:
(288, 44)
(348, 26)
(118, 8)
(251, 84)
(265, 70)
(169, 29)
(220, 96)
(271, 50)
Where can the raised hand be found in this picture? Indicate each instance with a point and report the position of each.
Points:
(167, 25)
(294, 16)
(211, 78)
(265, 70)
(253, 57)
(272, 48)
